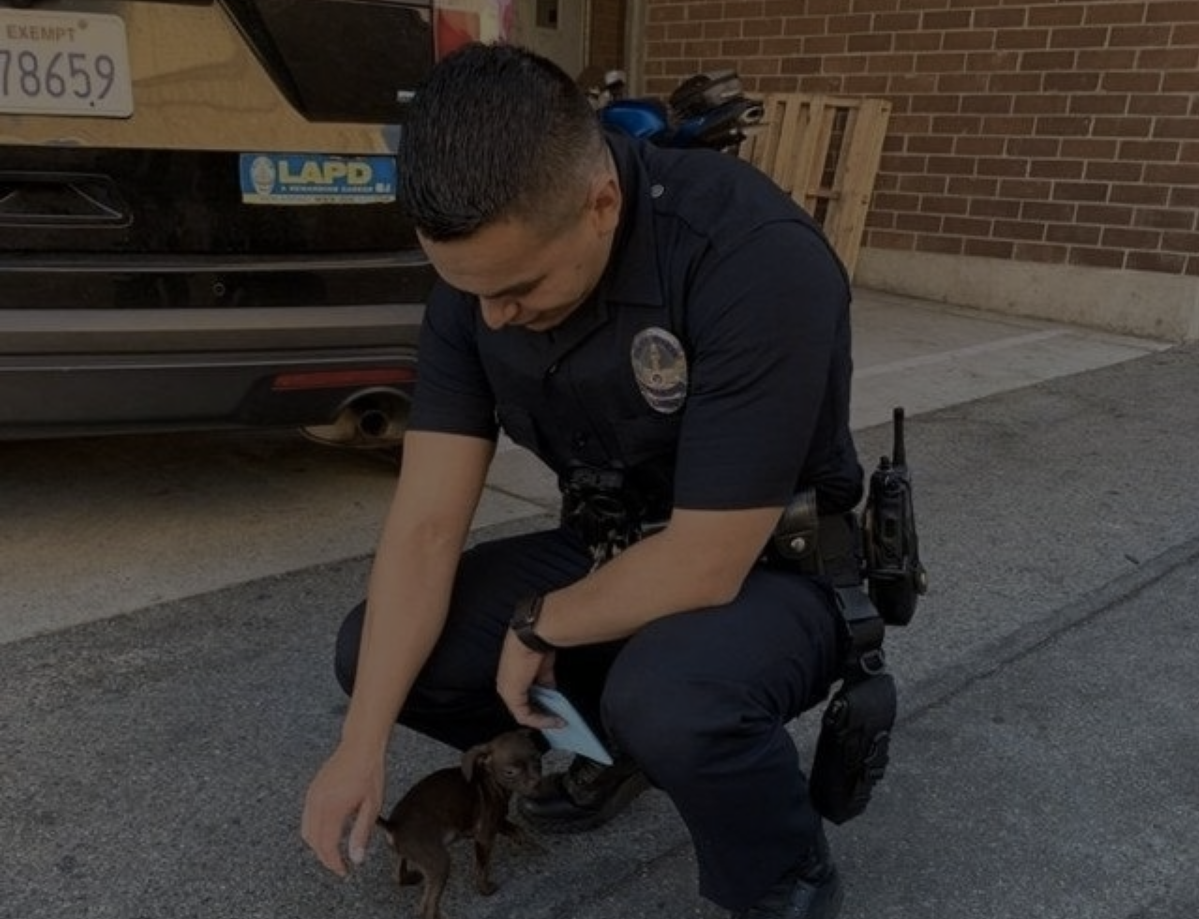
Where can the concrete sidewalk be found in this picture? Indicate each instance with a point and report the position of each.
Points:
(154, 763)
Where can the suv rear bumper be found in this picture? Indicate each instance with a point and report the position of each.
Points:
(109, 371)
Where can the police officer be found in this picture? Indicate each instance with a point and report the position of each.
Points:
(670, 334)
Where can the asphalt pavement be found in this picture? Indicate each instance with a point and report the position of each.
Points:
(1044, 763)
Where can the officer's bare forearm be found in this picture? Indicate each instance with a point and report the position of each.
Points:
(405, 614)
(409, 593)
(700, 560)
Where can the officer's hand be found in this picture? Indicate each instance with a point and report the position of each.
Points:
(519, 668)
(349, 786)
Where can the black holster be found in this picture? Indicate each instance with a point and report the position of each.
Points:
(852, 751)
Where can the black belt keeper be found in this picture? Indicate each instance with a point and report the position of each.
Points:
(839, 546)
(864, 630)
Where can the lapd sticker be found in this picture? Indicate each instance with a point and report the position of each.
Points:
(309, 178)
(660, 367)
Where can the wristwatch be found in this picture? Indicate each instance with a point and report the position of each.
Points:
(524, 621)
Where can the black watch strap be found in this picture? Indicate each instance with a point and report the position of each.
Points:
(524, 621)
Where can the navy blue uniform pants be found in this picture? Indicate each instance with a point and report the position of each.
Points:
(700, 700)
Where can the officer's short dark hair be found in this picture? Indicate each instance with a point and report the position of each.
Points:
(496, 131)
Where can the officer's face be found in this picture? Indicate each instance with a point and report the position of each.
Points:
(523, 278)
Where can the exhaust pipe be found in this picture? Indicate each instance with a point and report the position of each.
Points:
(369, 421)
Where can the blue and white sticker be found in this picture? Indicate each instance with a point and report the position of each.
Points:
(660, 367)
(313, 178)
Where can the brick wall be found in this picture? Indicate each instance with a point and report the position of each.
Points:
(606, 49)
(1057, 132)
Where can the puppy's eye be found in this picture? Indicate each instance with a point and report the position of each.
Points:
(511, 772)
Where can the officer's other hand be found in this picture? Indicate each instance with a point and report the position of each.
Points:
(519, 668)
(348, 787)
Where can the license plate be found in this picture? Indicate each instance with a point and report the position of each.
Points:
(64, 64)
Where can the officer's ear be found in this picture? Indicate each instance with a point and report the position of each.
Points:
(603, 203)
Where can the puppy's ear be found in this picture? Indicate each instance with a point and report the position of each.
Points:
(475, 756)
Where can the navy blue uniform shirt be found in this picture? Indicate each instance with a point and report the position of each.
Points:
(711, 365)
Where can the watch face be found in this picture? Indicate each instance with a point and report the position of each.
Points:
(527, 612)
(524, 619)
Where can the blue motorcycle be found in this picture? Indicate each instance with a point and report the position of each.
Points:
(707, 110)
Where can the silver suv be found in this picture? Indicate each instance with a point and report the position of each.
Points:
(198, 225)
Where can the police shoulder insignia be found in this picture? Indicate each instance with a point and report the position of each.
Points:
(660, 368)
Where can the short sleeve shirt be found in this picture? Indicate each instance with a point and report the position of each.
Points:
(711, 365)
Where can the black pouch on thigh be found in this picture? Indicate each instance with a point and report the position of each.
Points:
(851, 752)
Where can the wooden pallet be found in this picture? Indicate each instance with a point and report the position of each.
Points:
(823, 151)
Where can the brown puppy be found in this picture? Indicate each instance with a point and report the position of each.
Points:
(469, 802)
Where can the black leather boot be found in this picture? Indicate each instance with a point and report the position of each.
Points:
(586, 795)
(812, 890)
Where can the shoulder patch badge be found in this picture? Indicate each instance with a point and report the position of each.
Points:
(660, 368)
